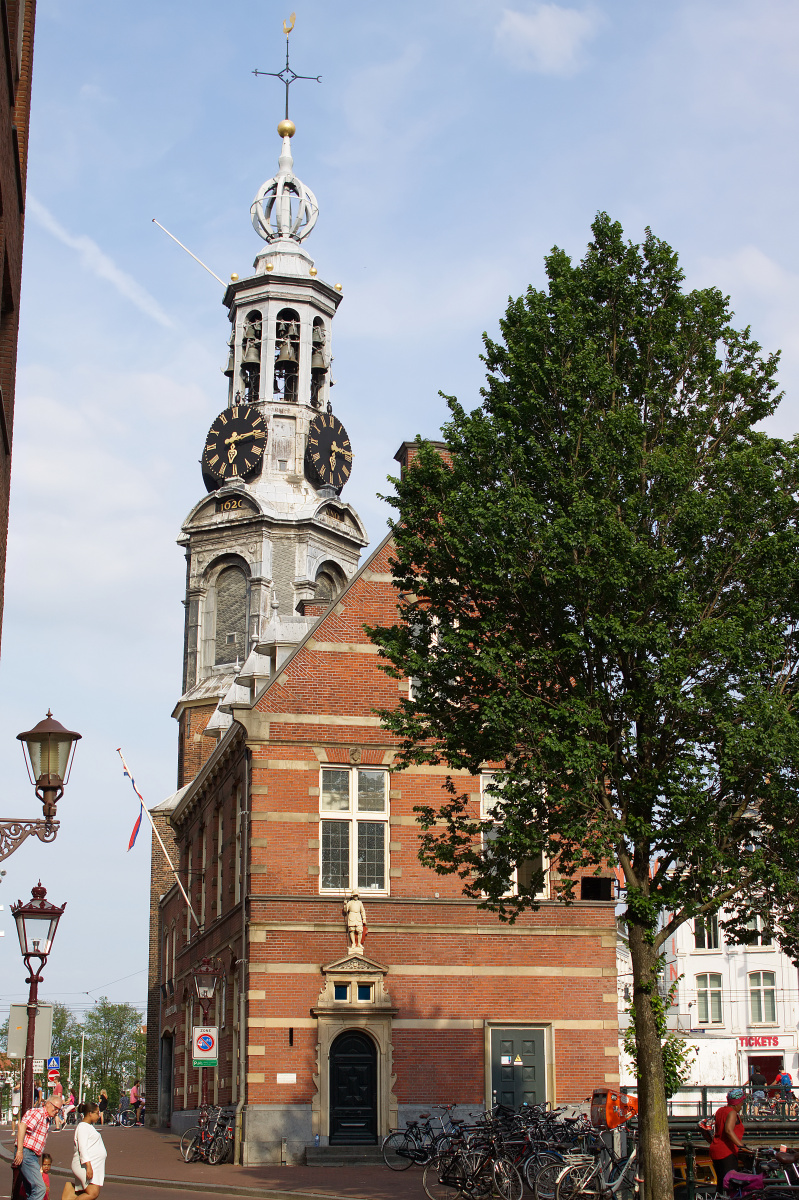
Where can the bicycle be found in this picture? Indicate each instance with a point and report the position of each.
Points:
(600, 1174)
(473, 1174)
(418, 1144)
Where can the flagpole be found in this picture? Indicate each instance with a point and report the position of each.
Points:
(145, 809)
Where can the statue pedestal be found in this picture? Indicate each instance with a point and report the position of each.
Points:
(356, 950)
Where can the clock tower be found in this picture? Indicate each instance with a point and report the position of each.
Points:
(272, 543)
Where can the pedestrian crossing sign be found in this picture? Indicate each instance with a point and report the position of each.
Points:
(54, 1063)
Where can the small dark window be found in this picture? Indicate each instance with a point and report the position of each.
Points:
(341, 991)
(596, 887)
(364, 991)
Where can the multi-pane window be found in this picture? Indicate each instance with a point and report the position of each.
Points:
(762, 998)
(522, 875)
(354, 828)
(756, 935)
(706, 933)
(708, 998)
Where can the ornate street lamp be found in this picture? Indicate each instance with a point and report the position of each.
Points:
(37, 922)
(206, 977)
(49, 750)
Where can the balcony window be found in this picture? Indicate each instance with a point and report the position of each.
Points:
(762, 998)
(708, 998)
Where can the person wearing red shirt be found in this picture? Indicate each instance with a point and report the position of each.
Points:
(31, 1136)
(728, 1135)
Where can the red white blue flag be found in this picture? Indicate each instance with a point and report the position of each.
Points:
(137, 826)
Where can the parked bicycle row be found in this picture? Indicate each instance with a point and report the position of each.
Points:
(211, 1139)
(500, 1151)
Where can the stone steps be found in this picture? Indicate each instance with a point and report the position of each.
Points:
(343, 1156)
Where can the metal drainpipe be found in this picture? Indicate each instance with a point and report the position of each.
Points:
(245, 801)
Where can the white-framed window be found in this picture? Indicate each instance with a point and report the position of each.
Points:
(708, 998)
(756, 934)
(762, 998)
(706, 933)
(354, 829)
(523, 871)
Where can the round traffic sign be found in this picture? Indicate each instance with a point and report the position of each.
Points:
(205, 1042)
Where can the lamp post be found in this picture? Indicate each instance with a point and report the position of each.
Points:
(49, 750)
(206, 977)
(37, 922)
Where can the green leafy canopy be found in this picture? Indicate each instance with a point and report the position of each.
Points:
(598, 587)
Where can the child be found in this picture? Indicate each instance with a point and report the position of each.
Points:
(47, 1162)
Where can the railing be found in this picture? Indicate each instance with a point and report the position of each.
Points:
(697, 1101)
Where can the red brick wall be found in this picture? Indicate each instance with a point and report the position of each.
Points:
(15, 91)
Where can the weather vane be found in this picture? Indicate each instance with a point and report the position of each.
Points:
(287, 76)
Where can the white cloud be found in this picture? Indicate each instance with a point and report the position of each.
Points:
(546, 37)
(98, 263)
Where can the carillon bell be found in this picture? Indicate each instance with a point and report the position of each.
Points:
(293, 332)
(229, 369)
(318, 360)
(318, 336)
(251, 356)
(287, 356)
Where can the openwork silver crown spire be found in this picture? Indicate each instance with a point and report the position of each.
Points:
(283, 206)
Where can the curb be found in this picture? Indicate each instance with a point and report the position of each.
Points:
(191, 1185)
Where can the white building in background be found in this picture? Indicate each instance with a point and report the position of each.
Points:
(739, 1005)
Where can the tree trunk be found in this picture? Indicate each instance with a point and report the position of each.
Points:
(653, 1121)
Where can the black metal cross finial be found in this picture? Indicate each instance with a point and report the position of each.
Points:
(287, 76)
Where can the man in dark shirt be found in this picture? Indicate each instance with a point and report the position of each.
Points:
(757, 1082)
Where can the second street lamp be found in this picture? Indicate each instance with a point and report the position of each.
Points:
(36, 922)
(48, 750)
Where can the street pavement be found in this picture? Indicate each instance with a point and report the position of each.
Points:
(142, 1163)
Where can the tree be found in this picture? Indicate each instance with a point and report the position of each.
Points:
(112, 1049)
(676, 1052)
(598, 594)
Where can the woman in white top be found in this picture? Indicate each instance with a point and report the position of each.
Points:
(88, 1161)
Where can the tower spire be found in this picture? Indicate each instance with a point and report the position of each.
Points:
(287, 75)
(284, 209)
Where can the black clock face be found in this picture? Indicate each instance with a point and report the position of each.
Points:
(234, 448)
(329, 453)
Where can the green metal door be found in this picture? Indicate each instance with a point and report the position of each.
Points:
(518, 1067)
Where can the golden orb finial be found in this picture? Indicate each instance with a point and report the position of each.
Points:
(270, 266)
(337, 286)
(312, 271)
(286, 128)
(233, 277)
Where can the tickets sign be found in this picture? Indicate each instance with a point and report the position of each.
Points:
(205, 1046)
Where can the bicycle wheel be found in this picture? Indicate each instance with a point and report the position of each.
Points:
(186, 1140)
(443, 1177)
(546, 1181)
(578, 1181)
(217, 1151)
(536, 1163)
(507, 1180)
(398, 1150)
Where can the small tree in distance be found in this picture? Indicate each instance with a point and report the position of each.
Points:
(599, 596)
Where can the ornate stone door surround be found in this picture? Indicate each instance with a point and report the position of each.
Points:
(350, 974)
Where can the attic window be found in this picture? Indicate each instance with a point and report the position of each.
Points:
(596, 887)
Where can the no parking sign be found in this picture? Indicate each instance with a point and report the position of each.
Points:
(205, 1046)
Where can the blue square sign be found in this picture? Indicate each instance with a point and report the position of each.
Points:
(54, 1063)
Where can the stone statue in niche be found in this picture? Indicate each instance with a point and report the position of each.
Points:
(355, 915)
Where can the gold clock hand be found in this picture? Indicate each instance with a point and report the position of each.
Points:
(239, 437)
(338, 450)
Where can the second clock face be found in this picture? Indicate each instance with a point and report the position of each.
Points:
(235, 445)
(329, 451)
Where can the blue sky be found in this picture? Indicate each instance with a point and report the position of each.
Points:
(450, 146)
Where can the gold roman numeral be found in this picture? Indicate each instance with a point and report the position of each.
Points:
(223, 418)
(211, 461)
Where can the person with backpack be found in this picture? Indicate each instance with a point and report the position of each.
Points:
(785, 1083)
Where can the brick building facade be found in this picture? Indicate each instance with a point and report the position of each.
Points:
(18, 18)
(288, 801)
